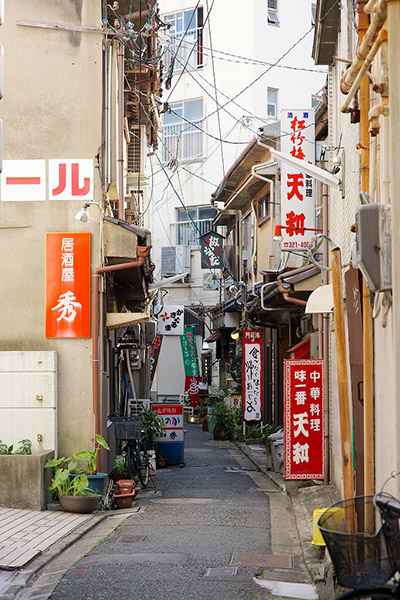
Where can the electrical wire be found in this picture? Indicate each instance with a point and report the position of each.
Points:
(171, 66)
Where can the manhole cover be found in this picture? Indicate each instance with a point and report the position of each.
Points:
(275, 561)
(221, 572)
(131, 539)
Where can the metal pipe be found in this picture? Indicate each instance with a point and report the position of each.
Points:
(369, 7)
(325, 321)
(365, 46)
(120, 132)
(105, 119)
(272, 202)
(394, 149)
(365, 67)
(109, 88)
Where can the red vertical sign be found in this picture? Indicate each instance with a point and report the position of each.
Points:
(252, 374)
(68, 285)
(154, 354)
(304, 419)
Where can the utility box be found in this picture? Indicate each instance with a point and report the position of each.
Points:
(374, 245)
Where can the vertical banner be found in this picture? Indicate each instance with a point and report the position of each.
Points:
(170, 320)
(297, 189)
(68, 285)
(304, 419)
(155, 350)
(189, 351)
(211, 250)
(252, 374)
(192, 387)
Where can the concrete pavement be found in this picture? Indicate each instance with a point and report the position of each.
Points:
(200, 492)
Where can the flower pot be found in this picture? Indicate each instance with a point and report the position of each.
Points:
(125, 486)
(124, 500)
(79, 504)
(220, 434)
(161, 463)
(95, 482)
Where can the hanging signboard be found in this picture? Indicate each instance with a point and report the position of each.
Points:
(68, 285)
(189, 351)
(210, 282)
(304, 419)
(171, 417)
(211, 250)
(193, 385)
(297, 188)
(155, 350)
(252, 374)
(170, 320)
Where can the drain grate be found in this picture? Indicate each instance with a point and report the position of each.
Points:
(131, 539)
(221, 571)
(275, 561)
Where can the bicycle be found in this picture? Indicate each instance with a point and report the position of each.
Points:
(367, 563)
(128, 430)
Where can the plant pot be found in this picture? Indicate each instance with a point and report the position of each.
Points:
(124, 500)
(220, 434)
(161, 463)
(205, 423)
(95, 482)
(125, 486)
(79, 504)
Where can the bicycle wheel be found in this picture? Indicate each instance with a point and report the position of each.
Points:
(130, 461)
(143, 465)
(388, 590)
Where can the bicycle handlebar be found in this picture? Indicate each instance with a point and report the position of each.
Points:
(388, 505)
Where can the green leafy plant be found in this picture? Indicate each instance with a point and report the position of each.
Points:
(65, 484)
(119, 466)
(24, 447)
(234, 421)
(152, 425)
(220, 412)
(90, 456)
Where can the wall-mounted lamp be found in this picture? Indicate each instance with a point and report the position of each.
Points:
(235, 334)
(83, 214)
(278, 231)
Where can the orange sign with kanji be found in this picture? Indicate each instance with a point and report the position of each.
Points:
(68, 285)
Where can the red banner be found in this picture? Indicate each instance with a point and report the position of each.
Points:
(252, 374)
(192, 387)
(155, 350)
(304, 419)
(68, 285)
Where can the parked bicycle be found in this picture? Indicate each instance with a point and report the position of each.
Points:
(366, 562)
(129, 433)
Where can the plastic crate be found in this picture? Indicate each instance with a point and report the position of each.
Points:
(128, 428)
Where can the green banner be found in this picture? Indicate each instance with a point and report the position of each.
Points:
(189, 351)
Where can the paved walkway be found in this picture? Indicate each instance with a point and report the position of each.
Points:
(24, 534)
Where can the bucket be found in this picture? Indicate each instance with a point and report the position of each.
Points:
(335, 516)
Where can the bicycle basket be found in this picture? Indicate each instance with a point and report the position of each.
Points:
(128, 428)
(361, 559)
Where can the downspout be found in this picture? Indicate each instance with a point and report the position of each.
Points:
(393, 27)
(325, 322)
(272, 198)
(285, 289)
(121, 137)
(143, 252)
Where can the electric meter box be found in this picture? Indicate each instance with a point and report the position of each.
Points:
(374, 245)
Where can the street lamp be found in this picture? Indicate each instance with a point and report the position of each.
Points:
(278, 231)
(83, 214)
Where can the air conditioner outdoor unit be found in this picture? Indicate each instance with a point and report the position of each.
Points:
(174, 260)
(136, 155)
(374, 245)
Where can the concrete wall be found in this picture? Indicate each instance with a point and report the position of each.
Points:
(52, 108)
(24, 481)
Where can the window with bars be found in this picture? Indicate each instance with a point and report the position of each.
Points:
(272, 103)
(264, 208)
(190, 319)
(192, 223)
(272, 12)
(182, 135)
(186, 32)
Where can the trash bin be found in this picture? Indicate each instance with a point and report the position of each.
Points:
(276, 444)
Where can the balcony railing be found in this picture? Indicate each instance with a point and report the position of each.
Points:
(182, 141)
(186, 56)
(187, 234)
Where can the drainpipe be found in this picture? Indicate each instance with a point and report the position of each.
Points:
(285, 289)
(393, 27)
(368, 36)
(325, 322)
(272, 198)
(120, 130)
(142, 252)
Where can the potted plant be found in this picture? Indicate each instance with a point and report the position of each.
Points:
(152, 426)
(119, 470)
(73, 492)
(161, 461)
(220, 414)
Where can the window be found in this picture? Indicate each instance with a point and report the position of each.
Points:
(186, 31)
(183, 138)
(272, 103)
(273, 18)
(187, 233)
(247, 245)
(264, 207)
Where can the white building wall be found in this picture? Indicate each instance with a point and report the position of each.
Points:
(239, 30)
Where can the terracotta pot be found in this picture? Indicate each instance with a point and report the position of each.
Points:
(125, 486)
(220, 434)
(124, 500)
(79, 504)
(161, 463)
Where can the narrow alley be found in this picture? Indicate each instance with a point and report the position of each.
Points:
(206, 531)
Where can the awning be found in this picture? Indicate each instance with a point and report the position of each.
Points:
(118, 320)
(213, 337)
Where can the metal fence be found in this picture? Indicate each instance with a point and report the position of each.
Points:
(182, 141)
(188, 234)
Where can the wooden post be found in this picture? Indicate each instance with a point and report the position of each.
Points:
(342, 376)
